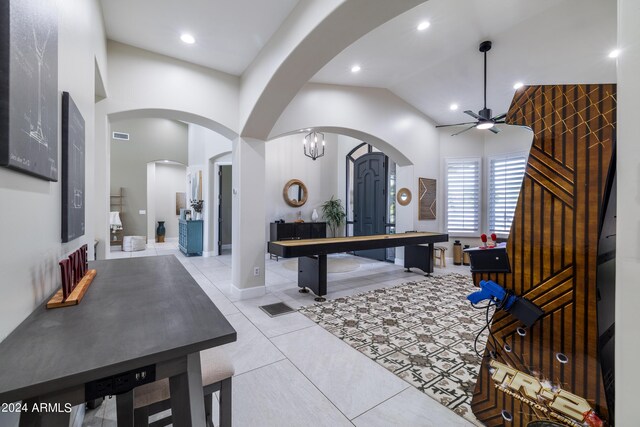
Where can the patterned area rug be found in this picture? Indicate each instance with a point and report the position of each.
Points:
(421, 331)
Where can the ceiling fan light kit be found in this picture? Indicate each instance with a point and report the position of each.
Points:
(484, 120)
(484, 125)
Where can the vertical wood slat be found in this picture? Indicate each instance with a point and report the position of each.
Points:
(574, 126)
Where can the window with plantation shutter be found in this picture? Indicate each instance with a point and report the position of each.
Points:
(463, 196)
(505, 180)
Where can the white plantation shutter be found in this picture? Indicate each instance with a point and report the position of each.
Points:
(505, 181)
(463, 196)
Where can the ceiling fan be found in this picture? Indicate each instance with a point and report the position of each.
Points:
(483, 118)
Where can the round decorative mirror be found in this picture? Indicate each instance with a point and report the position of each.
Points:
(404, 196)
(295, 193)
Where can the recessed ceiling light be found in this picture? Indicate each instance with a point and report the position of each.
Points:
(355, 68)
(614, 53)
(423, 25)
(518, 85)
(453, 107)
(187, 38)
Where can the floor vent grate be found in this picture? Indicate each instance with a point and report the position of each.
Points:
(277, 309)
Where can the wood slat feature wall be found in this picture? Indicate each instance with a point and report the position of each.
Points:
(553, 246)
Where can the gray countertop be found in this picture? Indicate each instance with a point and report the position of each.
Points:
(137, 311)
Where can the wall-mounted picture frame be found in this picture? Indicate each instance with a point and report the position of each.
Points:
(29, 87)
(73, 170)
(427, 198)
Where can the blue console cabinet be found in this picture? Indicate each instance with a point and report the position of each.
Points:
(190, 237)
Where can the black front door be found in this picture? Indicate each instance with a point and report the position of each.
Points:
(369, 200)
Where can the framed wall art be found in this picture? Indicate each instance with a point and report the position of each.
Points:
(29, 87)
(73, 173)
(427, 198)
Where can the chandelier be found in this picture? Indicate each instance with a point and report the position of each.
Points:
(312, 146)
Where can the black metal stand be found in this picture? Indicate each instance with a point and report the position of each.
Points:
(312, 274)
(419, 256)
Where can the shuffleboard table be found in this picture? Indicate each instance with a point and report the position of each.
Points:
(312, 254)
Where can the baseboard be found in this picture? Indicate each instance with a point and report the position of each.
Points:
(246, 293)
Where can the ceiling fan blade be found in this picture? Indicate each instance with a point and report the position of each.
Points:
(457, 124)
(472, 114)
(494, 129)
(463, 130)
(500, 117)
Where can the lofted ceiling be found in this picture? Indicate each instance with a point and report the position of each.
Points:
(229, 33)
(535, 42)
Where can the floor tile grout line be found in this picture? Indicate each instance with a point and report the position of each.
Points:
(260, 367)
(296, 330)
(389, 398)
(317, 388)
(294, 365)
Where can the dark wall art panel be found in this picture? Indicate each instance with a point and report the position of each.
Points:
(29, 87)
(427, 198)
(72, 170)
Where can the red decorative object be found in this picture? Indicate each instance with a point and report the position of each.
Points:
(75, 277)
(483, 237)
(494, 237)
(592, 419)
(67, 279)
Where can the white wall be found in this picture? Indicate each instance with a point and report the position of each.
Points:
(31, 245)
(169, 180)
(141, 80)
(628, 211)
(205, 145)
(285, 160)
(151, 139)
(380, 118)
(143, 84)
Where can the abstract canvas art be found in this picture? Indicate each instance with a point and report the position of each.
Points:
(181, 202)
(29, 87)
(426, 198)
(72, 170)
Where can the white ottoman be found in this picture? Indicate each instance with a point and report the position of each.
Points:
(134, 243)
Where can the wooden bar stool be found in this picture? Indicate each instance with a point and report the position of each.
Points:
(154, 398)
(439, 255)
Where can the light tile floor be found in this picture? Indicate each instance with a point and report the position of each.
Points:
(290, 371)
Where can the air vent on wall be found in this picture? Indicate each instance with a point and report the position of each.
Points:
(120, 135)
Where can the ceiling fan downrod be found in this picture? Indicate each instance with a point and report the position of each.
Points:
(485, 46)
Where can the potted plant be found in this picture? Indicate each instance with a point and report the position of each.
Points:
(197, 207)
(334, 213)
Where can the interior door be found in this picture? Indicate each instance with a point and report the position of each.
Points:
(224, 210)
(369, 201)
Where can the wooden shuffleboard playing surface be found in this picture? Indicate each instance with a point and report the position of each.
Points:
(330, 245)
(312, 253)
